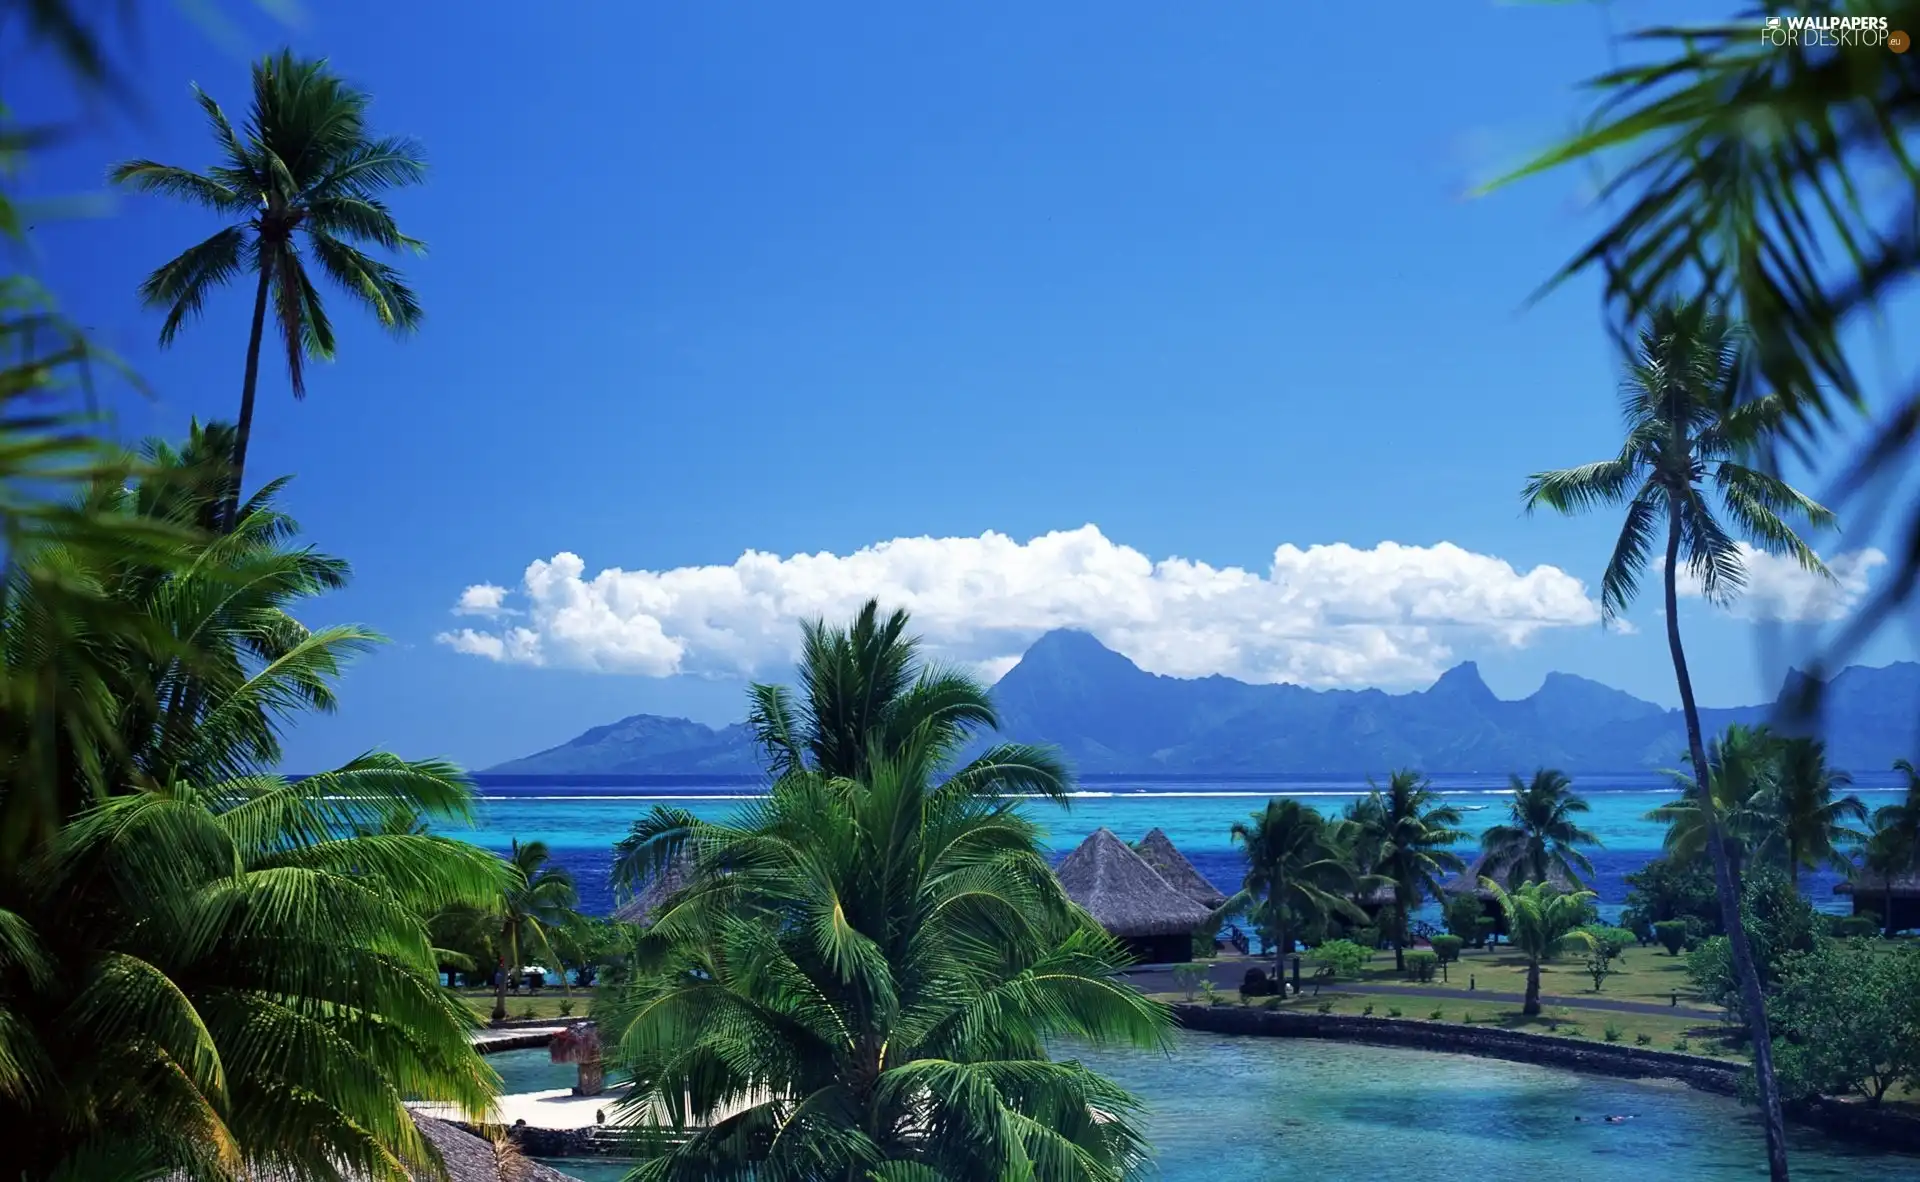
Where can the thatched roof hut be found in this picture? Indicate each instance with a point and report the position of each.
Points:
(658, 890)
(1124, 894)
(1468, 880)
(468, 1159)
(1159, 852)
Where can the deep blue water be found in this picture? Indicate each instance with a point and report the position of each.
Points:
(581, 820)
(1226, 1109)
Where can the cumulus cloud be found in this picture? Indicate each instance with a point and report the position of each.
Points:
(1779, 590)
(482, 599)
(1322, 616)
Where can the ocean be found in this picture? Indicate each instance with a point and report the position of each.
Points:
(580, 819)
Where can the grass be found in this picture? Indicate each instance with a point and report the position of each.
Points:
(545, 1004)
(1643, 975)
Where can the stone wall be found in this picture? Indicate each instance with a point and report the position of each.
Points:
(1488, 1041)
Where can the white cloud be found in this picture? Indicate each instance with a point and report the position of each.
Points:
(1778, 589)
(1325, 615)
(482, 599)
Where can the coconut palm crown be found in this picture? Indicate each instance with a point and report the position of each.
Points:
(1542, 832)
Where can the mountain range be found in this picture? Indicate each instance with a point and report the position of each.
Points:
(1108, 716)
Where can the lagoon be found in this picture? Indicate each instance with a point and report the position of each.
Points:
(581, 821)
(1221, 1109)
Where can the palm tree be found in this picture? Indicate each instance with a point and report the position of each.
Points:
(865, 691)
(1687, 432)
(1541, 833)
(1542, 922)
(1885, 855)
(863, 981)
(1407, 829)
(538, 901)
(206, 967)
(305, 164)
(1294, 870)
(1902, 818)
(1808, 823)
(1743, 771)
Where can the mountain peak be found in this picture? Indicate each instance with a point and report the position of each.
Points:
(1072, 648)
(1463, 680)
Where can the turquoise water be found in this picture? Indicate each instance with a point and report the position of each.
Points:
(1224, 1109)
(582, 823)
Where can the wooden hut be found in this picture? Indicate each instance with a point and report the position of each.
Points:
(1128, 897)
(1467, 882)
(663, 886)
(1159, 852)
(1895, 904)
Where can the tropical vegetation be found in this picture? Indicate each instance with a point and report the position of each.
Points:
(1299, 872)
(1542, 836)
(1690, 459)
(537, 905)
(303, 178)
(1405, 834)
(1542, 922)
(867, 973)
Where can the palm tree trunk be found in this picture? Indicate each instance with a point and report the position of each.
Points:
(500, 990)
(1749, 981)
(243, 430)
(1530, 1008)
(1888, 900)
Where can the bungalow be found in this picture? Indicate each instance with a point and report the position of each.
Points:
(1128, 898)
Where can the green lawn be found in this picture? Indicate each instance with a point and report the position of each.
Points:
(548, 1003)
(1643, 974)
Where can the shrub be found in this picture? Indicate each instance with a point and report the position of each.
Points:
(1256, 984)
(1854, 927)
(1447, 948)
(1642, 1039)
(1681, 1043)
(1367, 1010)
(1463, 915)
(566, 1006)
(1612, 1032)
(1341, 958)
(1421, 965)
(1466, 1019)
(1394, 1012)
(1207, 991)
(526, 1012)
(1368, 938)
(1672, 934)
(1434, 1016)
(1325, 1007)
(1612, 942)
(1484, 929)
(1188, 978)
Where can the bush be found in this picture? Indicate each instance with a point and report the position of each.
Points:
(1257, 984)
(1672, 934)
(1612, 942)
(1681, 1043)
(1422, 964)
(1366, 1011)
(1434, 1016)
(1188, 978)
(566, 1006)
(1325, 1007)
(1394, 1012)
(1462, 917)
(1368, 938)
(1853, 927)
(1642, 1039)
(1208, 992)
(1447, 948)
(1340, 958)
(1612, 1032)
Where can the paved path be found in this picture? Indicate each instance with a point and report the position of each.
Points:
(1226, 974)
(510, 1038)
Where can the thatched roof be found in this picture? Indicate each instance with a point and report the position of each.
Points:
(468, 1159)
(658, 890)
(1905, 886)
(1468, 880)
(1159, 852)
(1124, 894)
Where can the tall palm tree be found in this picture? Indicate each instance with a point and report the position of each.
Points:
(1902, 818)
(863, 981)
(207, 967)
(304, 167)
(1885, 855)
(1542, 922)
(1294, 870)
(1808, 821)
(1542, 833)
(1687, 433)
(1743, 772)
(538, 901)
(1408, 829)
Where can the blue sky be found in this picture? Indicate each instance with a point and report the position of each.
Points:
(803, 279)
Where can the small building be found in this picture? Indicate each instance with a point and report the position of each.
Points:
(1128, 897)
(1895, 904)
(1159, 852)
(661, 887)
(1467, 882)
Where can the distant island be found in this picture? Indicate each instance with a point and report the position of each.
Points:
(1111, 717)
